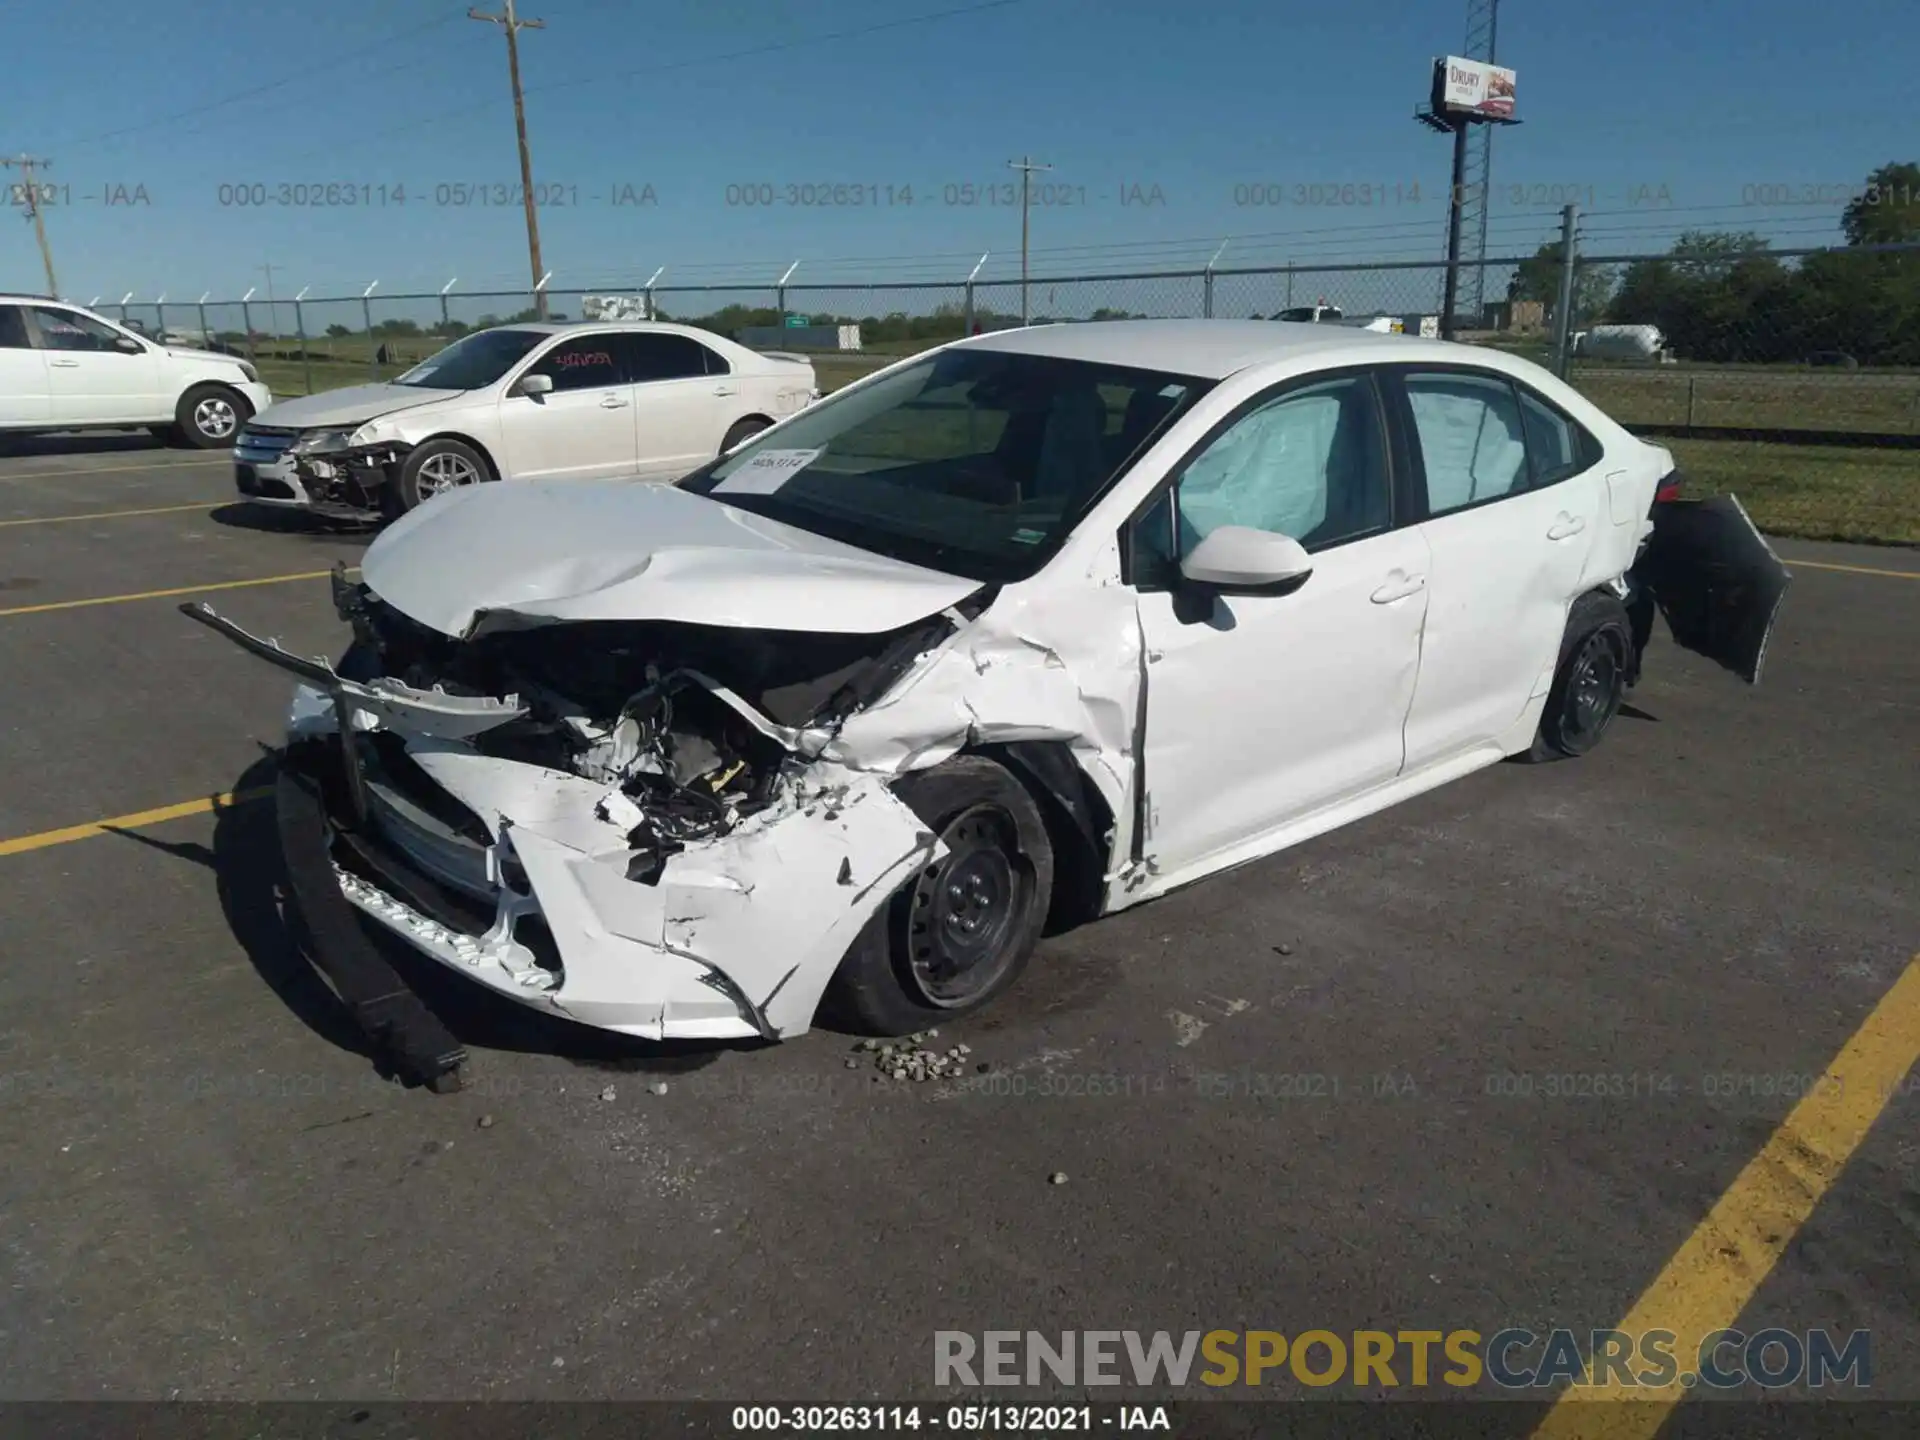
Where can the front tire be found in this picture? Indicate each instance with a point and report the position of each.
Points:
(1590, 681)
(210, 417)
(435, 467)
(961, 931)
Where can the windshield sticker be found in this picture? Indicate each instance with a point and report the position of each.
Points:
(1028, 537)
(767, 472)
(1173, 392)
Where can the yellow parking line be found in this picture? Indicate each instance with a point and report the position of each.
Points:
(134, 821)
(1714, 1275)
(1853, 569)
(163, 594)
(111, 514)
(223, 458)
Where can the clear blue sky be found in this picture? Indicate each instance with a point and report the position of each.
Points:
(1173, 105)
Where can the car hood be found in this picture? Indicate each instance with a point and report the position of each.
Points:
(513, 555)
(351, 406)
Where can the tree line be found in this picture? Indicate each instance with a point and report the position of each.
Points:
(1726, 297)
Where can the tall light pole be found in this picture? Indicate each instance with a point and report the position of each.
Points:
(513, 24)
(30, 189)
(1026, 167)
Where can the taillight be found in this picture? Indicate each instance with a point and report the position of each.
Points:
(1669, 488)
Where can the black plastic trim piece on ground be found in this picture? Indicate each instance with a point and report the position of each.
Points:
(399, 1027)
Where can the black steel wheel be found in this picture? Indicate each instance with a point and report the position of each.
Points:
(960, 931)
(1590, 682)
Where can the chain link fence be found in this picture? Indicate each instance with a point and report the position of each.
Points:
(1791, 377)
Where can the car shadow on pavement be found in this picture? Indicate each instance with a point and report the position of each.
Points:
(272, 520)
(111, 442)
(251, 876)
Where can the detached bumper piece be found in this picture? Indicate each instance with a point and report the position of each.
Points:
(1715, 579)
(310, 799)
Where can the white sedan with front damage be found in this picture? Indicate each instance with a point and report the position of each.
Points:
(594, 401)
(1041, 624)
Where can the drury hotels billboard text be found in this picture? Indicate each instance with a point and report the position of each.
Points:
(1472, 87)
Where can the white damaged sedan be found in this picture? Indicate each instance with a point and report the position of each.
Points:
(1041, 624)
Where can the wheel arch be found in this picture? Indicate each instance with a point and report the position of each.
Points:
(464, 438)
(1078, 820)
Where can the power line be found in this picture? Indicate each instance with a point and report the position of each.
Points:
(441, 116)
(302, 74)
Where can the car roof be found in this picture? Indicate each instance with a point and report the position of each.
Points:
(565, 327)
(1215, 349)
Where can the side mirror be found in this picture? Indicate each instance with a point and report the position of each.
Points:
(534, 385)
(1239, 560)
(128, 347)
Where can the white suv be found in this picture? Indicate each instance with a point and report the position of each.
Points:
(65, 368)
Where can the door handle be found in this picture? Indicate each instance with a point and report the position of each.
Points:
(1399, 589)
(613, 402)
(66, 364)
(726, 389)
(1565, 527)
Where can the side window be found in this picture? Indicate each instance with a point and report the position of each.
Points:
(1470, 438)
(663, 357)
(1557, 447)
(1310, 464)
(70, 330)
(715, 361)
(587, 363)
(13, 329)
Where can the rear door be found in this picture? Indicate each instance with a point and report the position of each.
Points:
(1509, 547)
(684, 401)
(23, 371)
(91, 379)
(582, 429)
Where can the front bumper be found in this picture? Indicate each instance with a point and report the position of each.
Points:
(510, 874)
(267, 471)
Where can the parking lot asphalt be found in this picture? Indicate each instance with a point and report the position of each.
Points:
(1319, 1093)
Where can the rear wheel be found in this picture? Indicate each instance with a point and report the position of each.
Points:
(1590, 681)
(209, 417)
(961, 931)
(742, 431)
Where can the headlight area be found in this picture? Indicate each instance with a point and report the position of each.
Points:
(347, 468)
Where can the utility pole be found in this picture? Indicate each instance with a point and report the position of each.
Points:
(31, 190)
(1026, 167)
(513, 24)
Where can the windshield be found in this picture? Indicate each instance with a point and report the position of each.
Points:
(477, 360)
(975, 462)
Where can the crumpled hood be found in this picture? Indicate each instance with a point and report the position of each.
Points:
(636, 551)
(354, 405)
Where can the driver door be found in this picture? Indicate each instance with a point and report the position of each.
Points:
(1262, 709)
(90, 379)
(583, 429)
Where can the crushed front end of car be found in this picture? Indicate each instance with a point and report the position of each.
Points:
(583, 824)
(324, 471)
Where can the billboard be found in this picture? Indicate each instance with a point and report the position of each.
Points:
(1472, 87)
(615, 307)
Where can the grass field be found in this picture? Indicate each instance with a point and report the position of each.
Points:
(1813, 492)
(1818, 492)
